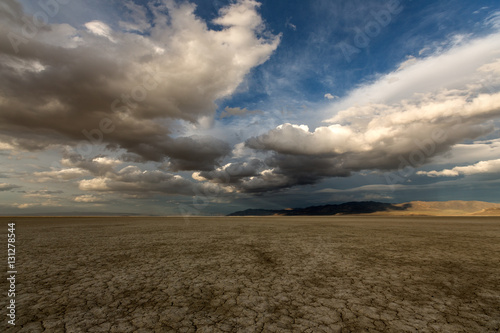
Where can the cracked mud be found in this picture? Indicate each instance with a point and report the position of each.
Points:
(278, 274)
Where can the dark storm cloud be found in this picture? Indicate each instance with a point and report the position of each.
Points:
(283, 171)
(195, 152)
(232, 173)
(273, 173)
(405, 136)
(121, 89)
(97, 166)
(185, 153)
(308, 157)
(105, 174)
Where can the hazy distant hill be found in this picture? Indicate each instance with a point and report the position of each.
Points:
(488, 212)
(432, 208)
(452, 208)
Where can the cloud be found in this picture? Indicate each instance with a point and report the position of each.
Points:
(455, 66)
(195, 152)
(125, 89)
(5, 146)
(267, 180)
(271, 174)
(290, 25)
(44, 198)
(8, 187)
(99, 165)
(365, 188)
(475, 151)
(298, 140)
(492, 166)
(409, 61)
(106, 174)
(43, 204)
(41, 194)
(88, 198)
(59, 175)
(330, 96)
(436, 103)
(100, 29)
(24, 205)
(454, 189)
(137, 18)
(480, 9)
(228, 112)
(231, 173)
(494, 20)
(134, 181)
(74, 166)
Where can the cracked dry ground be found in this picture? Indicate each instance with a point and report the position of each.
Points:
(278, 274)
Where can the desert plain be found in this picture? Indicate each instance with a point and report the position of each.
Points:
(255, 274)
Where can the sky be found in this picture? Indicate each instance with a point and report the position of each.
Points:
(171, 107)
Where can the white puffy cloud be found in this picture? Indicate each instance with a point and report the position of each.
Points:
(297, 139)
(492, 166)
(95, 184)
(106, 161)
(100, 29)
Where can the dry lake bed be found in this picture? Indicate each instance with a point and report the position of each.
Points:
(252, 274)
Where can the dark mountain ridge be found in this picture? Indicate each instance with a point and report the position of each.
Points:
(356, 207)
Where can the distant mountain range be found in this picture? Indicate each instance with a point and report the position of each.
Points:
(413, 208)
